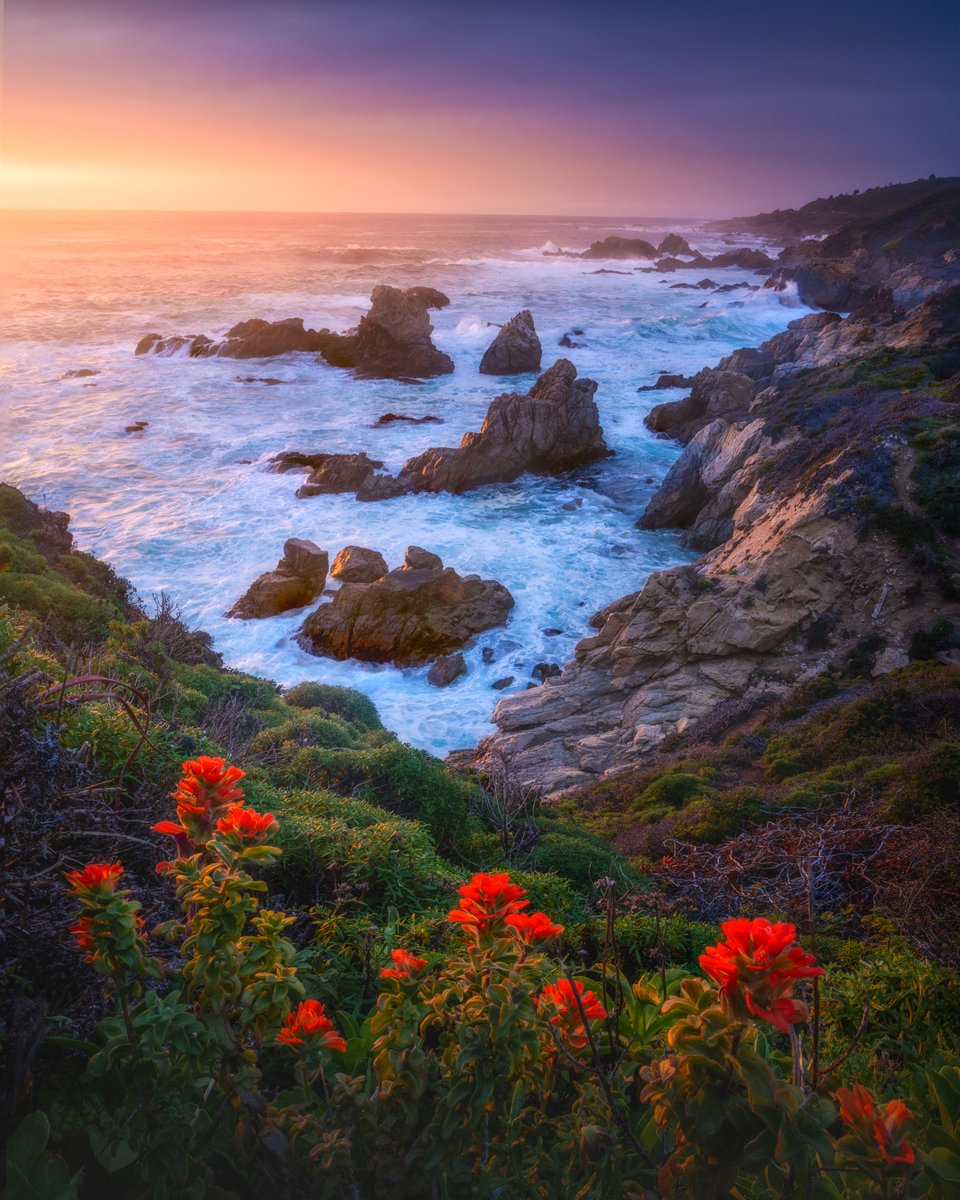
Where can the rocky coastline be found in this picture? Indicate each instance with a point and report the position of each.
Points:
(809, 480)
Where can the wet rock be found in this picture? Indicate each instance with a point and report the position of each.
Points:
(551, 632)
(391, 418)
(568, 341)
(297, 579)
(499, 684)
(413, 615)
(380, 487)
(620, 247)
(746, 258)
(668, 381)
(446, 670)
(338, 473)
(356, 564)
(552, 428)
(79, 373)
(248, 339)
(136, 427)
(392, 340)
(674, 244)
(267, 379)
(544, 671)
(516, 348)
(488, 655)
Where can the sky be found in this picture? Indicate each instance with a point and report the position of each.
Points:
(590, 108)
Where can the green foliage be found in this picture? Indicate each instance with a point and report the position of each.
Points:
(566, 849)
(33, 1171)
(673, 789)
(353, 706)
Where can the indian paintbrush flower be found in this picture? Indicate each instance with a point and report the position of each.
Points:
(309, 1026)
(560, 1001)
(405, 964)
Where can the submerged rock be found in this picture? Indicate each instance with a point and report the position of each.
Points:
(516, 348)
(413, 615)
(552, 428)
(392, 340)
(248, 339)
(297, 579)
(391, 418)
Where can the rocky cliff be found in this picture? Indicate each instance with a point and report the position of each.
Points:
(822, 470)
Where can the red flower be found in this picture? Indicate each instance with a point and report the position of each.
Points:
(487, 900)
(246, 824)
(885, 1129)
(84, 938)
(170, 827)
(756, 968)
(405, 964)
(561, 997)
(310, 1024)
(100, 878)
(534, 927)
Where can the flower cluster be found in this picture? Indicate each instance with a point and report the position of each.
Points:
(310, 1027)
(490, 903)
(96, 879)
(209, 803)
(404, 966)
(756, 968)
(882, 1131)
(109, 930)
(560, 1001)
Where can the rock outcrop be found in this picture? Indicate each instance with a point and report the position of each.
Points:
(357, 564)
(620, 247)
(249, 339)
(554, 427)
(516, 348)
(674, 244)
(413, 615)
(331, 474)
(297, 580)
(393, 339)
(800, 472)
(447, 670)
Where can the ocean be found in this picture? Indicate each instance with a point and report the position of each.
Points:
(187, 507)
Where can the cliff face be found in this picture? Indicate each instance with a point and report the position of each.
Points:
(818, 468)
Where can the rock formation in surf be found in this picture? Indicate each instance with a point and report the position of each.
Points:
(392, 340)
(516, 348)
(295, 581)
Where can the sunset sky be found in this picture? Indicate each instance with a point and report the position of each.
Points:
(678, 109)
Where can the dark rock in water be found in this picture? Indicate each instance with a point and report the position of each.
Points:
(680, 264)
(620, 247)
(414, 614)
(248, 339)
(731, 287)
(673, 243)
(608, 271)
(79, 373)
(489, 654)
(668, 381)
(544, 671)
(338, 473)
(392, 340)
(136, 427)
(392, 418)
(297, 579)
(569, 343)
(705, 304)
(356, 564)
(572, 505)
(746, 258)
(499, 684)
(293, 460)
(554, 427)
(380, 487)
(516, 348)
(552, 632)
(261, 379)
(691, 286)
(447, 669)
(706, 284)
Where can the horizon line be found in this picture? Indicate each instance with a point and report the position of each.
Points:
(319, 212)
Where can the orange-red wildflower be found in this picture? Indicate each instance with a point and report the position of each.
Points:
(246, 824)
(309, 1025)
(756, 968)
(487, 900)
(405, 964)
(561, 998)
(884, 1128)
(534, 927)
(95, 878)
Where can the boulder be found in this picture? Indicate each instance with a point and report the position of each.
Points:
(413, 615)
(745, 257)
(338, 473)
(515, 350)
(673, 244)
(248, 339)
(297, 579)
(392, 340)
(447, 669)
(620, 247)
(356, 564)
(668, 381)
(552, 428)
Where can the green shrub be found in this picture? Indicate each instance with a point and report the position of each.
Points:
(567, 850)
(344, 702)
(933, 779)
(672, 789)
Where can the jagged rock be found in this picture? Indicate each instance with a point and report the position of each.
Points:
(499, 684)
(338, 473)
(392, 340)
(620, 247)
(356, 564)
(413, 615)
(515, 350)
(248, 339)
(544, 671)
(554, 427)
(746, 258)
(674, 244)
(297, 579)
(446, 670)
(668, 381)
